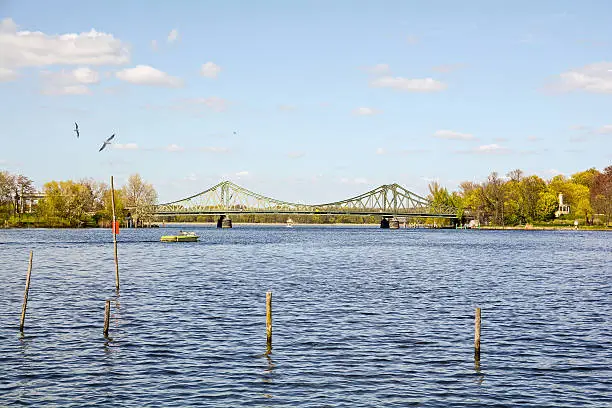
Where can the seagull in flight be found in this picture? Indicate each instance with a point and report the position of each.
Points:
(76, 129)
(106, 142)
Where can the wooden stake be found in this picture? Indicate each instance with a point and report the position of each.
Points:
(477, 334)
(269, 322)
(25, 294)
(115, 235)
(106, 317)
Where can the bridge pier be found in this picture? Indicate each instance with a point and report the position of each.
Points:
(394, 223)
(224, 222)
(391, 223)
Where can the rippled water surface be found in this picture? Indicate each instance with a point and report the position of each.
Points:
(362, 317)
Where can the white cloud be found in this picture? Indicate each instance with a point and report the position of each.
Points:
(69, 82)
(409, 85)
(379, 69)
(7, 75)
(37, 49)
(452, 135)
(210, 70)
(595, 78)
(242, 173)
(491, 149)
(295, 155)
(366, 111)
(127, 146)
(174, 148)
(533, 138)
(380, 150)
(173, 35)
(147, 75)
(606, 129)
(86, 76)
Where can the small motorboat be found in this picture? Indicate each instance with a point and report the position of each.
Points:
(183, 236)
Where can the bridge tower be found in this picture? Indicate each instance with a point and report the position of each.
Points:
(224, 220)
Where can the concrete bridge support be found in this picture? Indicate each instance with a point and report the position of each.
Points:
(224, 222)
(391, 223)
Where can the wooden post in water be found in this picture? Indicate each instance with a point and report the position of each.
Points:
(115, 235)
(25, 294)
(106, 317)
(268, 322)
(477, 334)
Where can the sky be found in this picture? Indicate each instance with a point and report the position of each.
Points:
(304, 101)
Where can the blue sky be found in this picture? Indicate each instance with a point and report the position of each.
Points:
(327, 99)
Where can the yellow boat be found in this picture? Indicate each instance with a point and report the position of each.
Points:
(181, 237)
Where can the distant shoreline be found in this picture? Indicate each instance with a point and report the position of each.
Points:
(509, 228)
(171, 224)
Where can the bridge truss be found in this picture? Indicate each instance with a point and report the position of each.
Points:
(226, 198)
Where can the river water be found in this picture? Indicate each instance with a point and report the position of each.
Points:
(361, 317)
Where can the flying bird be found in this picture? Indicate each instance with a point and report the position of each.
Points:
(76, 129)
(106, 142)
(235, 132)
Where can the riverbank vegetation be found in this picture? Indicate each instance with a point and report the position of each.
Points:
(512, 200)
(518, 199)
(70, 204)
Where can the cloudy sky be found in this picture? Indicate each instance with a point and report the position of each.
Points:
(307, 101)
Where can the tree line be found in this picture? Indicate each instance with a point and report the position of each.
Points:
(82, 203)
(516, 199)
(519, 199)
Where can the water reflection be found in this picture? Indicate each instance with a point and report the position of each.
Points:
(24, 343)
(479, 375)
(267, 375)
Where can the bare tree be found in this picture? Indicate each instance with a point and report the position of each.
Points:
(140, 197)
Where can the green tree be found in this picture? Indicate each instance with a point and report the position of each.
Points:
(586, 177)
(493, 195)
(546, 206)
(67, 203)
(472, 202)
(532, 188)
(514, 212)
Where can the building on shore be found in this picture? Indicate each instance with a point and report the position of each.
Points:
(563, 208)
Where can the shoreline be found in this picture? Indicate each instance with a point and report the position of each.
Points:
(369, 225)
(496, 228)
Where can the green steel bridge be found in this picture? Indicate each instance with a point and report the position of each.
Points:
(387, 201)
